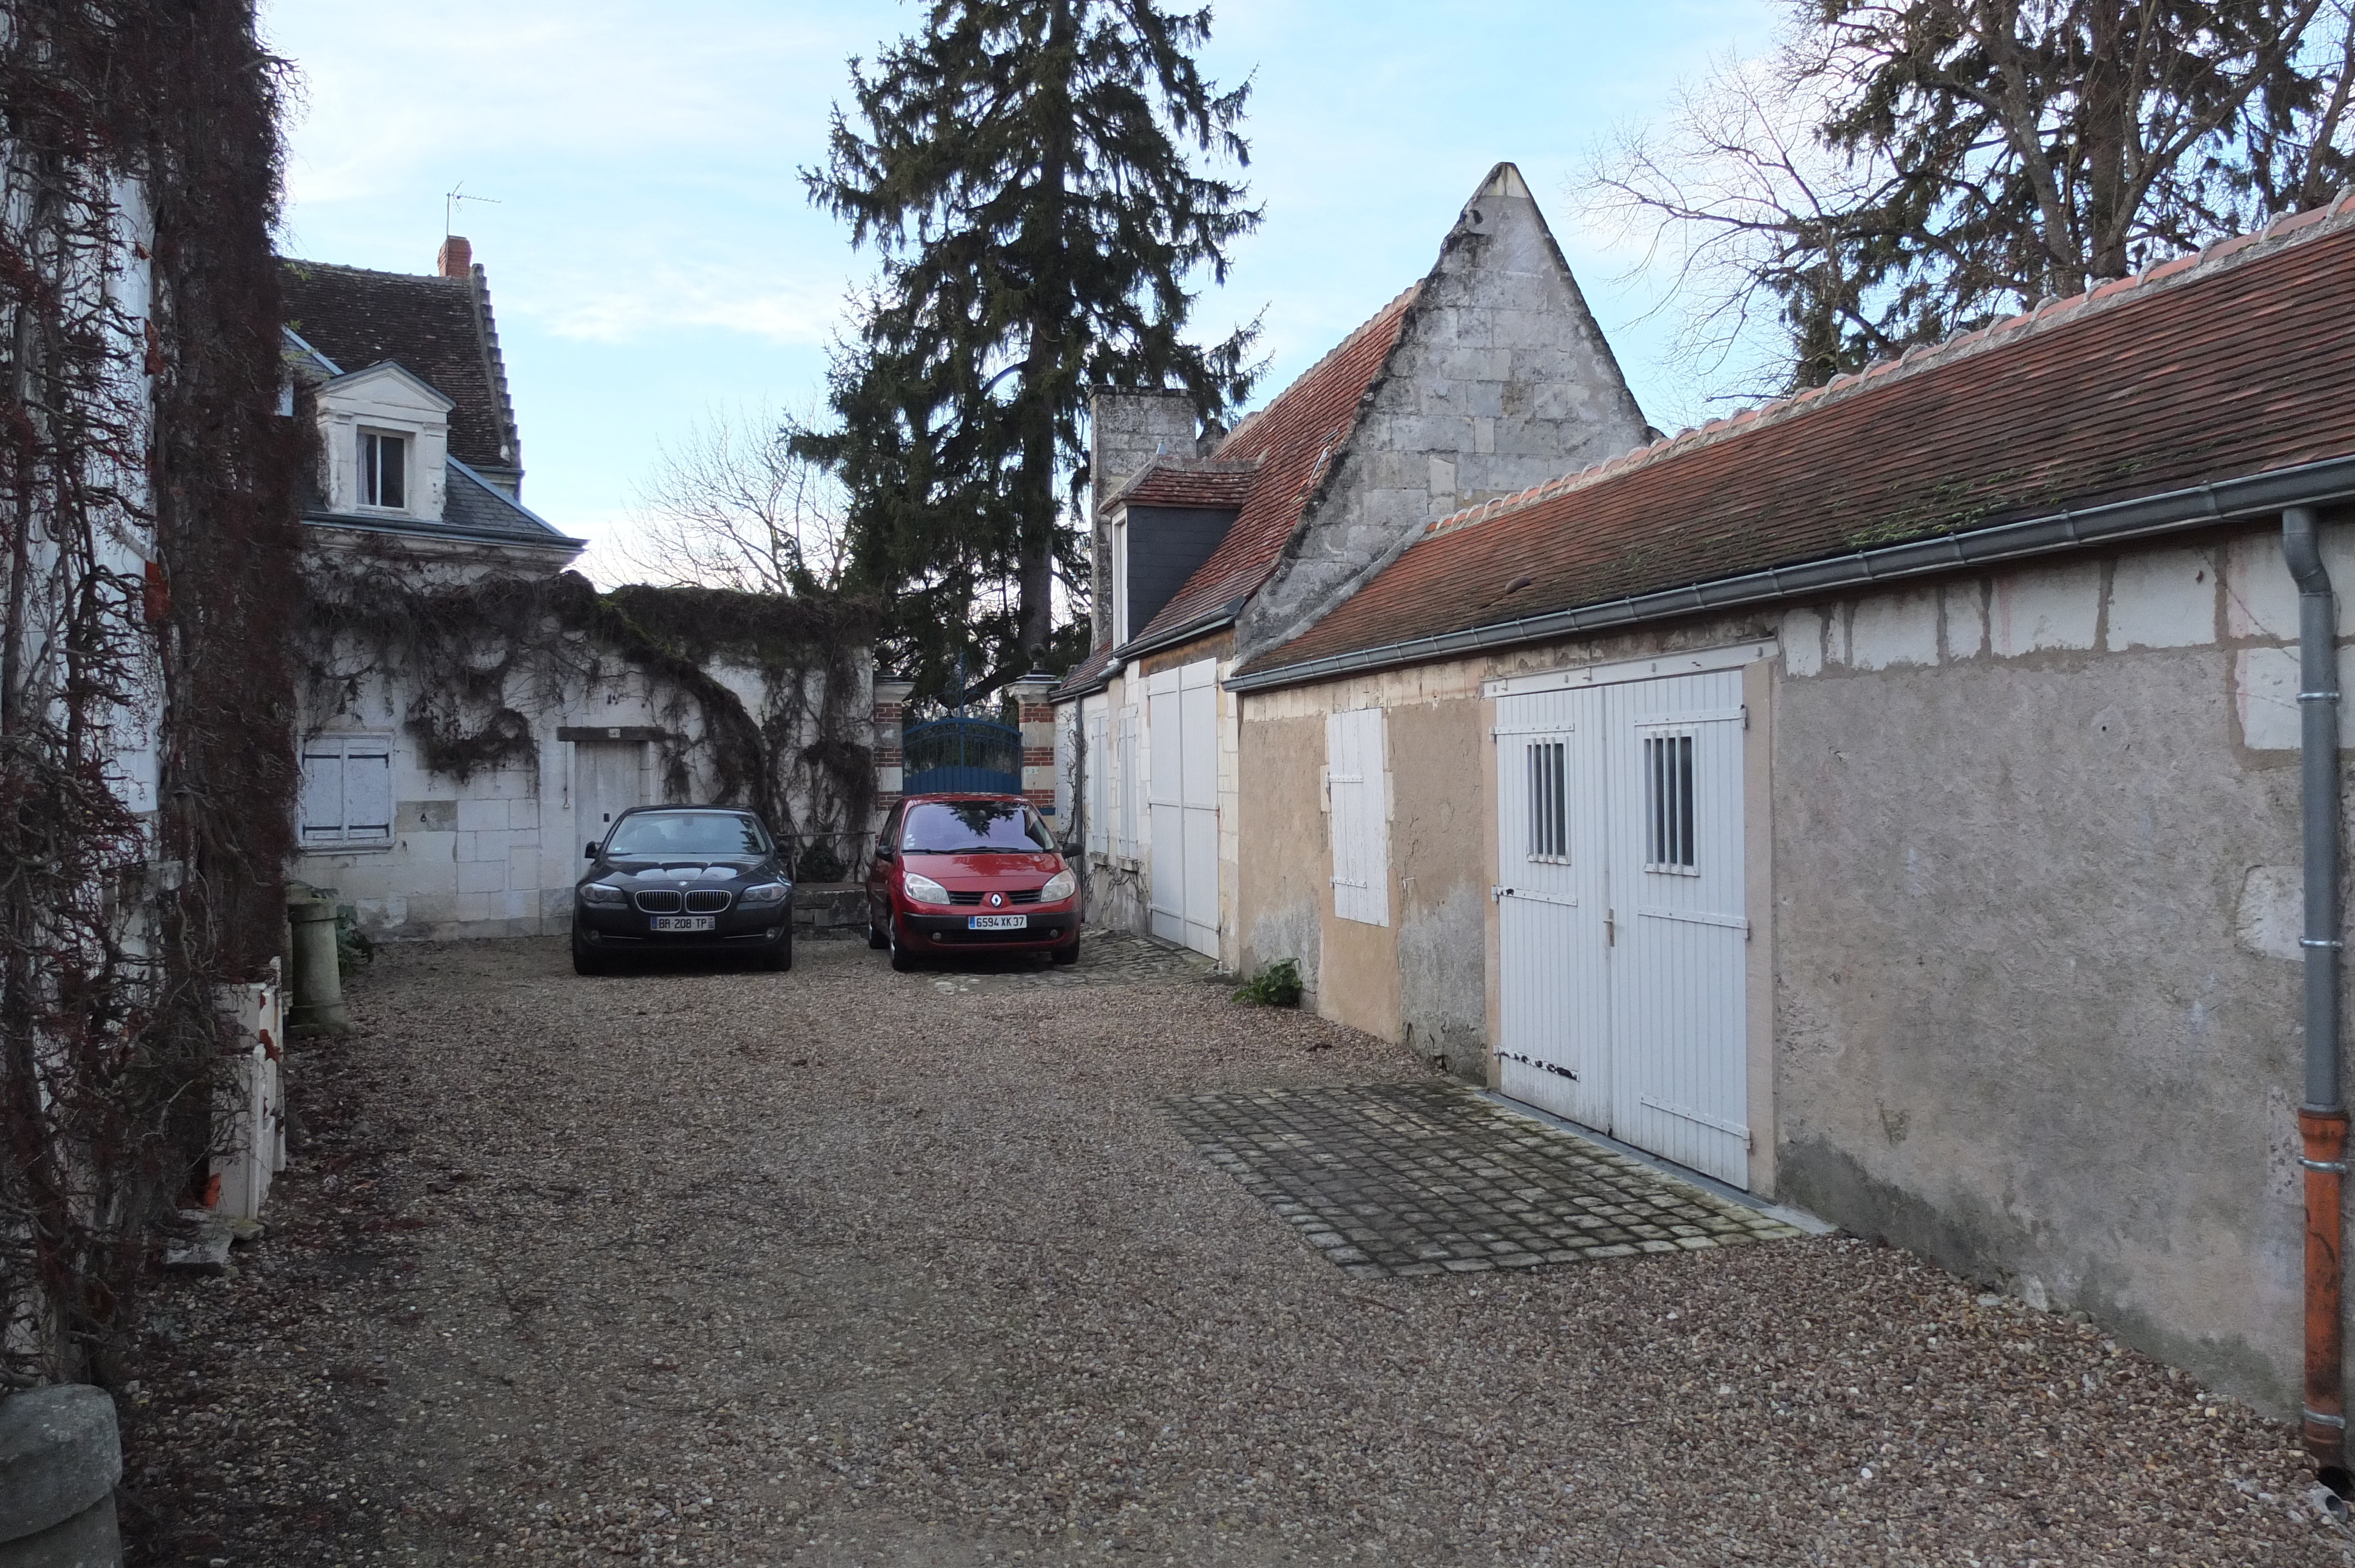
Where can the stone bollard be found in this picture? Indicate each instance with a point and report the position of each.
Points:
(316, 1004)
(59, 1458)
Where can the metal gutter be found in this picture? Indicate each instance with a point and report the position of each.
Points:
(2322, 1119)
(1138, 647)
(2170, 511)
(552, 543)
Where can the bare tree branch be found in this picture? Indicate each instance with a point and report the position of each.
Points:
(731, 506)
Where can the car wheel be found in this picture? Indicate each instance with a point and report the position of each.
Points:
(901, 960)
(875, 939)
(783, 958)
(585, 962)
(1067, 955)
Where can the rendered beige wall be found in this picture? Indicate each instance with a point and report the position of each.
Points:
(1419, 980)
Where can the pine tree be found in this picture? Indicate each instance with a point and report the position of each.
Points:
(1022, 168)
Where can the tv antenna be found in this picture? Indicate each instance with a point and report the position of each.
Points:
(450, 200)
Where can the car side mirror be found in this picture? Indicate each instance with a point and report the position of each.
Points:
(590, 851)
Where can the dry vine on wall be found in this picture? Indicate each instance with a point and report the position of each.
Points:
(147, 550)
(468, 654)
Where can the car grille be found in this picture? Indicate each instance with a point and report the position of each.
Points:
(1018, 895)
(708, 900)
(661, 903)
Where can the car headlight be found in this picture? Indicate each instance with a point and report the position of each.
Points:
(924, 889)
(1060, 886)
(601, 893)
(764, 893)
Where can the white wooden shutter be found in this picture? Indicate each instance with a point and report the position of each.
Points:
(1130, 785)
(1360, 826)
(1099, 763)
(367, 790)
(346, 796)
(322, 792)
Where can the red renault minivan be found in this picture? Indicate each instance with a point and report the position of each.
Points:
(970, 873)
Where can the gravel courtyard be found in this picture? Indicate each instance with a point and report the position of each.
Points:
(845, 1266)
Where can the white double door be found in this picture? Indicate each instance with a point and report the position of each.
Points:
(1182, 793)
(1622, 927)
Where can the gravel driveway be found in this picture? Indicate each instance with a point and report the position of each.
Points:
(843, 1266)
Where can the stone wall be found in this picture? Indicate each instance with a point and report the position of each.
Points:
(1127, 430)
(2036, 843)
(1500, 380)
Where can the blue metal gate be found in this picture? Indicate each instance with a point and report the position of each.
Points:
(954, 754)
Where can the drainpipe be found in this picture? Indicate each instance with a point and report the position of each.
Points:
(2322, 1119)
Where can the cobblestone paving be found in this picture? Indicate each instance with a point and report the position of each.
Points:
(1431, 1178)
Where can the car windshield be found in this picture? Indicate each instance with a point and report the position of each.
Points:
(970, 827)
(688, 834)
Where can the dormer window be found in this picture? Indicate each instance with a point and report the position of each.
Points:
(384, 471)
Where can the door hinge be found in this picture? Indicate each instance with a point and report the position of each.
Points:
(1611, 927)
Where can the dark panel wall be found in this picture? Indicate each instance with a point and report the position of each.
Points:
(1165, 546)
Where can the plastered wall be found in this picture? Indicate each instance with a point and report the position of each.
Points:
(2035, 861)
(1420, 980)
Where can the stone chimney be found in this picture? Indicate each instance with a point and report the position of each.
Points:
(457, 258)
(1127, 430)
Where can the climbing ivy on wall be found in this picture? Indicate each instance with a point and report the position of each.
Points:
(461, 649)
(148, 528)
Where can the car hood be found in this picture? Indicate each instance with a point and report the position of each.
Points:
(685, 872)
(967, 868)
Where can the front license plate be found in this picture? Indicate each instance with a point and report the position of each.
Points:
(996, 922)
(686, 922)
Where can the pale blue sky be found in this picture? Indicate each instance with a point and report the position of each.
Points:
(652, 257)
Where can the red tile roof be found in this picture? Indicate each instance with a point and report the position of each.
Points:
(1287, 444)
(1189, 481)
(2233, 363)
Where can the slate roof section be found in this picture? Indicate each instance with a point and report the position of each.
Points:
(472, 501)
(2231, 362)
(1289, 445)
(434, 326)
(472, 509)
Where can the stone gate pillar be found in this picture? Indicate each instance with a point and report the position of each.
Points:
(891, 703)
(1037, 741)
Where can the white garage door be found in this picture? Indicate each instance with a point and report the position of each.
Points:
(1182, 749)
(1623, 929)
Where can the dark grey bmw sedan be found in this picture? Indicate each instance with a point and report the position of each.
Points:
(683, 879)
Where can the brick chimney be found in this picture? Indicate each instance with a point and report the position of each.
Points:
(457, 258)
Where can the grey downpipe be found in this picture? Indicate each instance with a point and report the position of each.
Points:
(2322, 1119)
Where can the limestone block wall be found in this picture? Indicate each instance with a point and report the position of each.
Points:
(497, 854)
(1500, 380)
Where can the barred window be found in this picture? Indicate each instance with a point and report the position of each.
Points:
(1548, 802)
(1669, 792)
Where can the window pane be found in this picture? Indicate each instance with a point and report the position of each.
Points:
(391, 455)
(974, 827)
(1684, 801)
(659, 833)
